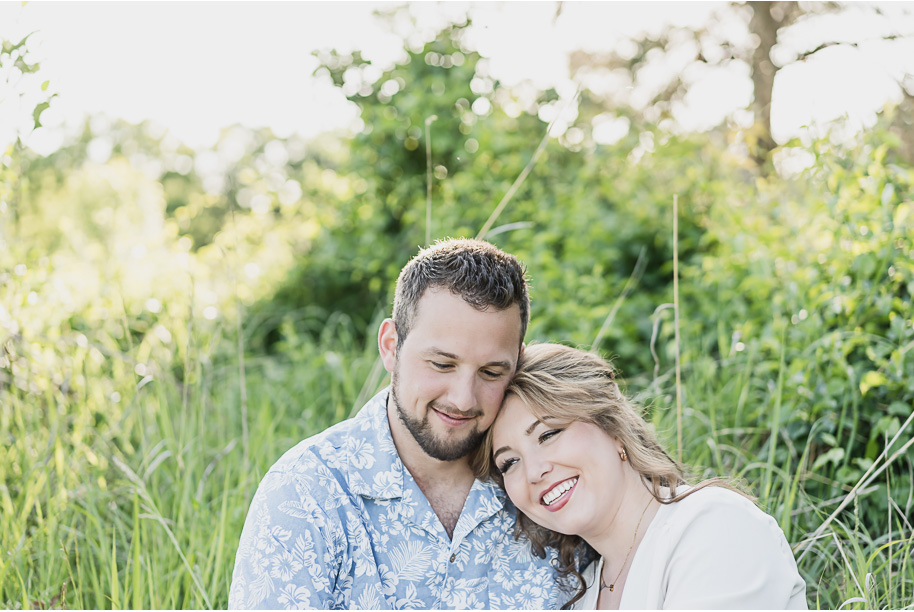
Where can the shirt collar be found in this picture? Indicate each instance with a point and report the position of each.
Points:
(383, 478)
(379, 472)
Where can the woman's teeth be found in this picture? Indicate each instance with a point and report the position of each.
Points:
(559, 490)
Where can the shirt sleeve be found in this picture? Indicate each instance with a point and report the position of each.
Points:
(289, 556)
(731, 555)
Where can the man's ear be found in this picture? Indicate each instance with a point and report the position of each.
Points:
(387, 344)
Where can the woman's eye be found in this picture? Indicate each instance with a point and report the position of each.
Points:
(506, 465)
(549, 434)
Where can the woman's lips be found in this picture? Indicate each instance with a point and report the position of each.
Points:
(566, 486)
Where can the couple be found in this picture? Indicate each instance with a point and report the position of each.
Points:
(404, 505)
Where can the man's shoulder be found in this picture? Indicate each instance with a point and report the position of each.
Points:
(324, 464)
(324, 447)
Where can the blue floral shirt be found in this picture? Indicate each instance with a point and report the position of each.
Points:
(338, 522)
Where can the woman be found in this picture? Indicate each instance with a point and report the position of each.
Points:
(590, 479)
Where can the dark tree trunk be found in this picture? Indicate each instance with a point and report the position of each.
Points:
(765, 26)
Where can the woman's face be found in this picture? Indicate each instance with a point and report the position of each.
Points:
(566, 477)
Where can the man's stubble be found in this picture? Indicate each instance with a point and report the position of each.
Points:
(422, 433)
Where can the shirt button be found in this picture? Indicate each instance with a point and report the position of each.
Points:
(453, 558)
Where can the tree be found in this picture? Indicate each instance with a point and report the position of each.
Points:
(757, 35)
(20, 95)
(586, 216)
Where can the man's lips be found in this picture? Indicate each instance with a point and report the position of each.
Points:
(452, 419)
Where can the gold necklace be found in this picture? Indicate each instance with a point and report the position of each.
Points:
(612, 585)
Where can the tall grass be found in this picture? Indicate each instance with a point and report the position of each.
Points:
(140, 504)
(848, 565)
(126, 467)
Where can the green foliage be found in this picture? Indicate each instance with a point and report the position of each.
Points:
(377, 227)
(584, 214)
(131, 264)
(819, 269)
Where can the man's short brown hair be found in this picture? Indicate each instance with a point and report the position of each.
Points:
(480, 273)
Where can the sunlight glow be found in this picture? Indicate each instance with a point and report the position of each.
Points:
(203, 80)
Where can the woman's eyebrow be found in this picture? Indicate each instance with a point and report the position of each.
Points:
(500, 451)
(526, 433)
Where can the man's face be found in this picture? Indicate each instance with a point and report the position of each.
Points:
(450, 374)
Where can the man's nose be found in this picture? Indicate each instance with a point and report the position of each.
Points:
(463, 392)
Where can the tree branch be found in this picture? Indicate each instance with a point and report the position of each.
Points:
(802, 57)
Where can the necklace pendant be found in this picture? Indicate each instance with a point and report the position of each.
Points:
(611, 588)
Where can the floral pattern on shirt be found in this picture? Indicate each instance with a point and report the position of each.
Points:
(338, 522)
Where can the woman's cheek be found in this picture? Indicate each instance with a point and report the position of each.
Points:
(514, 491)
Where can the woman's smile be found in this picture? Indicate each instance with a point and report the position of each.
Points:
(587, 473)
(558, 495)
(565, 476)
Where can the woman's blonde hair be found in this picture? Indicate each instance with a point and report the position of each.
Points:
(567, 385)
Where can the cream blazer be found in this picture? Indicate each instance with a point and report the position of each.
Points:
(713, 550)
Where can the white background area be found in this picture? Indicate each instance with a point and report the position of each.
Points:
(197, 67)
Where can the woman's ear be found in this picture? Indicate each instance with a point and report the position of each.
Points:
(617, 444)
(387, 344)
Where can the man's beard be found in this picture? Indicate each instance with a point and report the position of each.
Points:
(421, 430)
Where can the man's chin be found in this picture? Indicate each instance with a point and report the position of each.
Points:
(437, 439)
(450, 448)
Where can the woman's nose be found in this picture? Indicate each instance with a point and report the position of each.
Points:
(537, 468)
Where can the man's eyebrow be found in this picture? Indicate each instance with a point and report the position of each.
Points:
(437, 352)
(528, 431)
(499, 364)
(440, 353)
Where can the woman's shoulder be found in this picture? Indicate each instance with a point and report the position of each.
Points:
(718, 509)
(712, 496)
(719, 550)
(712, 493)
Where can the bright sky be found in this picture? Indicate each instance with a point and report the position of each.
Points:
(198, 67)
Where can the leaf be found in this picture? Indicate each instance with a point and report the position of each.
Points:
(889, 425)
(36, 114)
(852, 600)
(295, 509)
(888, 192)
(44, 86)
(902, 213)
(872, 379)
(369, 599)
(410, 560)
(899, 409)
(833, 456)
(864, 463)
(9, 47)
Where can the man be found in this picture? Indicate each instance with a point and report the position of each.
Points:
(383, 511)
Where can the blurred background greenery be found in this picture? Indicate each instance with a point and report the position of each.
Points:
(173, 319)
